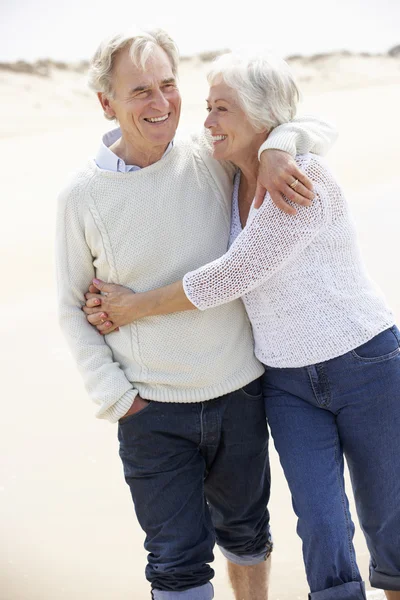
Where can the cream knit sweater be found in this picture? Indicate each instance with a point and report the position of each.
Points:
(143, 230)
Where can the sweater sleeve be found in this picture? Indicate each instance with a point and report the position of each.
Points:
(268, 242)
(300, 136)
(105, 381)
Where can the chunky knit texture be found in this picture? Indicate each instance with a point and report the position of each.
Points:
(145, 229)
(303, 134)
(301, 277)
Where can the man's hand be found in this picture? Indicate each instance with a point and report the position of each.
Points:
(137, 405)
(278, 170)
(110, 309)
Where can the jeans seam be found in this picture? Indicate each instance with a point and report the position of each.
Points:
(323, 396)
(346, 517)
(310, 377)
(376, 359)
(396, 335)
(201, 424)
(324, 383)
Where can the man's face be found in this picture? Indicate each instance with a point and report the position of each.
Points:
(146, 103)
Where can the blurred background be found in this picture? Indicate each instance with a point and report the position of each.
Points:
(67, 526)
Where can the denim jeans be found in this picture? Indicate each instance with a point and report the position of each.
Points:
(198, 473)
(348, 406)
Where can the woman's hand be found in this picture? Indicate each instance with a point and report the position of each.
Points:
(114, 307)
(280, 175)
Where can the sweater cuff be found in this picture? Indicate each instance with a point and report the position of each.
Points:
(120, 408)
(187, 290)
(280, 140)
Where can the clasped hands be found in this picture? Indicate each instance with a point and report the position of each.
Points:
(109, 306)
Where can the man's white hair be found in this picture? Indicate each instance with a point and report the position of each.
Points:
(141, 45)
(264, 84)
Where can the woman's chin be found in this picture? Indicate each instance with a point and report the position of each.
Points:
(219, 154)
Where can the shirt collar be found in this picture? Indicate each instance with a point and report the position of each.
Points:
(107, 160)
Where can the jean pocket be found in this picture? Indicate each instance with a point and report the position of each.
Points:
(253, 389)
(383, 346)
(130, 418)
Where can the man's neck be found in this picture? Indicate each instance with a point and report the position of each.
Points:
(136, 156)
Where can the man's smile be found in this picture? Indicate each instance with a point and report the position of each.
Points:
(157, 119)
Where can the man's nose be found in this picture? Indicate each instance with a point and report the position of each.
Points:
(159, 101)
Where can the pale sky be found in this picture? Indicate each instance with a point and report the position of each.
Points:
(70, 30)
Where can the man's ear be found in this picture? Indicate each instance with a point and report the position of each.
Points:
(106, 106)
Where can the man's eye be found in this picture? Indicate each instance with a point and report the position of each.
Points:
(169, 87)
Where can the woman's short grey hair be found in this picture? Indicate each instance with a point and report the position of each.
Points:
(264, 84)
(141, 46)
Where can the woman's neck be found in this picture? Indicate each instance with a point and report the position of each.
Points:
(248, 163)
(249, 169)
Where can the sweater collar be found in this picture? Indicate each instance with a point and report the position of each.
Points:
(107, 160)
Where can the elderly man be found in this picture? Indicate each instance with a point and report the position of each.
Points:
(184, 388)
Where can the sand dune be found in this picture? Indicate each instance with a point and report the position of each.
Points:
(68, 528)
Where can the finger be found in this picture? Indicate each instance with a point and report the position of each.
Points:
(295, 197)
(302, 177)
(103, 286)
(93, 300)
(109, 331)
(93, 289)
(92, 311)
(260, 195)
(97, 319)
(303, 191)
(104, 327)
(281, 203)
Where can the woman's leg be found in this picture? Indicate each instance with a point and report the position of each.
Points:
(369, 426)
(307, 440)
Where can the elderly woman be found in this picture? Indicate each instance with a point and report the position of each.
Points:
(323, 331)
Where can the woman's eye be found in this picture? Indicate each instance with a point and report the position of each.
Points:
(208, 108)
(221, 108)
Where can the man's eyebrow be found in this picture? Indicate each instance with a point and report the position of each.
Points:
(139, 88)
(143, 88)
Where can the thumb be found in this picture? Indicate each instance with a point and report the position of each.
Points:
(260, 195)
(102, 285)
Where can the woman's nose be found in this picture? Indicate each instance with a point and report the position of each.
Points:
(210, 121)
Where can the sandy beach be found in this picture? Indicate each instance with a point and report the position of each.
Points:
(68, 528)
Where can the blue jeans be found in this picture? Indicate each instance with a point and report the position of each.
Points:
(346, 406)
(198, 473)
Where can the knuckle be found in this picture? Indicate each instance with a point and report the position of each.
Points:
(291, 195)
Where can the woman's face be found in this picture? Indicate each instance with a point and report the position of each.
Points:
(234, 138)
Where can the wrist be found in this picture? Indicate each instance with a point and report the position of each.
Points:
(140, 305)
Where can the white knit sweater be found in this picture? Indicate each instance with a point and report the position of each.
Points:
(145, 229)
(302, 279)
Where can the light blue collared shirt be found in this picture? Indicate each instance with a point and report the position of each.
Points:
(107, 160)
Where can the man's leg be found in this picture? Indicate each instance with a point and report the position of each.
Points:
(238, 487)
(165, 472)
(250, 582)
